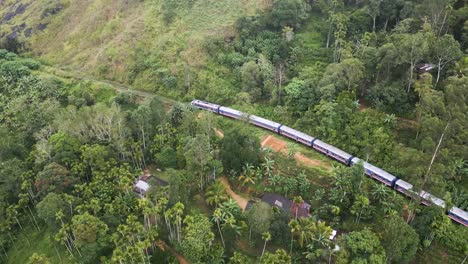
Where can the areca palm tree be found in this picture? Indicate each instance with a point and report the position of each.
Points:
(217, 218)
(267, 237)
(216, 194)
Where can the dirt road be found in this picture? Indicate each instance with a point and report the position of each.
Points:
(241, 201)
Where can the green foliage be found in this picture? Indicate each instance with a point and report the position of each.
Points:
(259, 218)
(239, 148)
(198, 238)
(363, 247)
(399, 240)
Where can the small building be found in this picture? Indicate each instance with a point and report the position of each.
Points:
(142, 185)
(141, 188)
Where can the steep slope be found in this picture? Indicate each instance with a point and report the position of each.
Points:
(105, 37)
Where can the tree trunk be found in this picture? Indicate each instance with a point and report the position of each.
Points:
(411, 77)
(373, 23)
(264, 246)
(220, 233)
(439, 64)
(464, 259)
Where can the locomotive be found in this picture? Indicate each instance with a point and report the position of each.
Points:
(406, 188)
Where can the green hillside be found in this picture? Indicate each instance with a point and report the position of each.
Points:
(105, 38)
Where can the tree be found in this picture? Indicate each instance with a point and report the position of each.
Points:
(266, 236)
(259, 218)
(198, 238)
(38, 259)
(49, 206)
(54, 178)
(238, 147)
(239, 258)
(446, 50)
(399, 240)
(216, 194)
(198, 156)
(364, 247)
(279, 257)
(217, 218)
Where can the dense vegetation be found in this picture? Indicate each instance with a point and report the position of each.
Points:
(346, 72)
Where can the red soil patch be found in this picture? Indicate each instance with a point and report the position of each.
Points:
(279, 145)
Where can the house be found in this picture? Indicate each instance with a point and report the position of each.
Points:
(302, 210)
(142, 185)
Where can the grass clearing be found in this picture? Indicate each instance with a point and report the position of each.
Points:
(39, 242)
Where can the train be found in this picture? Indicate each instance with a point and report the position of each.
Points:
(456, 214)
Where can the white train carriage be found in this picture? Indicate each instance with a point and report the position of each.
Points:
(428, 199)
(265, 123)
(404, 187)
(458, 215)
(379, 174)
(226, 111)
(296, 135)
(206, 106)
(332, 151)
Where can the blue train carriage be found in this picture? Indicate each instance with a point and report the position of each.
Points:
(206, 106)
(229, 112)
(265, 123)
(379, 174)
(458, 215)
(332, 151)
(428, 199)
(404, 187)
(296, 135)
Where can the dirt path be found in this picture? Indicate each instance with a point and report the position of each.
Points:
(241, 201)
(279, 145)
(179, 257)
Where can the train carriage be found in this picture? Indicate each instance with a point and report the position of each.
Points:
(229, 112)
(379, 174)
(206, 106)
(404, 187)
(428, 199)
(332, 151)
(265, 123)
(296, 135)
(458, 215)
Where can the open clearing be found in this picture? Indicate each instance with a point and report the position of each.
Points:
(279, 145)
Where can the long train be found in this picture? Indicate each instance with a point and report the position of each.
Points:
(372, 171)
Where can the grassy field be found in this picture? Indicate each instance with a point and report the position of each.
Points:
(31, 241)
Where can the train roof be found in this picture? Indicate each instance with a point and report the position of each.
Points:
(355, 160)
(264, 121)
(459, 212)
(204, 103)
(434, 199)
(379, 171)
(297, 133)
(333, 149)
(404, 184)
(233, 111)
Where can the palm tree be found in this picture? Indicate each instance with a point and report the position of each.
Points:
(390, 119)
(216, 194)
(218, 217)
(297, 202)
(267, 237)
(380, 192)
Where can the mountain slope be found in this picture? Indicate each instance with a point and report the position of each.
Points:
(104, 37)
